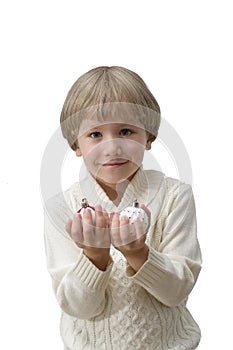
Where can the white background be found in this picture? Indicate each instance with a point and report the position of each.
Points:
(183, 50)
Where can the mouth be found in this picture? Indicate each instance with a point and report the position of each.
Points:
(115, 163)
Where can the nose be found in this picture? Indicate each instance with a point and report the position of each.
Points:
(112, 147)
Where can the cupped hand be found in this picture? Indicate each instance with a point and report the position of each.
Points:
(128, 238)
(93, 238)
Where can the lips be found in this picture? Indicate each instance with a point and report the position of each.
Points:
(115, 163)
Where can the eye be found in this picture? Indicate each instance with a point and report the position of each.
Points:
(95, 135)
(125, 132)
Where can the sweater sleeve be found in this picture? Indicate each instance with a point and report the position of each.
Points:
(79, 286)
(170, 272)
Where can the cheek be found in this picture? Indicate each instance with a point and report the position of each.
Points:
(91, 154)
(135, 150)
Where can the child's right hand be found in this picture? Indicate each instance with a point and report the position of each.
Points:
(93, 238)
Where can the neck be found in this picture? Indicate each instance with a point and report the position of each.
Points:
(115, 192)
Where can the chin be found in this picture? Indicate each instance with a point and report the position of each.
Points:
(111, 181)
(114, 177)
(114, 180)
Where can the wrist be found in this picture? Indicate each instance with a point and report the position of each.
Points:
(137, 258)
(137, 253)
(99, 259)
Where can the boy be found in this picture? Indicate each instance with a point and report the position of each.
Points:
(118, 286)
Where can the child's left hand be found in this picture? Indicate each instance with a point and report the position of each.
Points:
(128, 238)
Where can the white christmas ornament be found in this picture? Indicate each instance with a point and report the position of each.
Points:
(85, 204)
(135, 212)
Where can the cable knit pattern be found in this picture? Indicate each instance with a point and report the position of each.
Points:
(118, 308)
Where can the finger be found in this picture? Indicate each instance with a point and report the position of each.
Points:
(102, 238)
(142, 206)
(100, 218)
(115, 220)
(110, 218)
(68, 226)
(106, 216)
(76, 229)
(139, 228)
(114, 229)
(88, 228)
(127, 231)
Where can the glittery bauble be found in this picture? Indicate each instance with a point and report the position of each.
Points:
(85, 205)
(135, 212)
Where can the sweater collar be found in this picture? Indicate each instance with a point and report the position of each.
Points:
(143, 187)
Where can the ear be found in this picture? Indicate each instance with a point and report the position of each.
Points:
(148, 145)
(78, 152)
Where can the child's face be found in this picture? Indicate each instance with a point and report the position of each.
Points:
(112, 152)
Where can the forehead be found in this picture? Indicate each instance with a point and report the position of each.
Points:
(111, 114)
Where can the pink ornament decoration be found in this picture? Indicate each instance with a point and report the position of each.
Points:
(84, 205)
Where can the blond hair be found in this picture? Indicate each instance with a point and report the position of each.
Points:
(104, 85)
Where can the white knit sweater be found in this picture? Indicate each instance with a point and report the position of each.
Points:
(119, 309)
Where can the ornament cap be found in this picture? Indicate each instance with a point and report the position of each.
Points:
(135, 204)
(84, 203)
